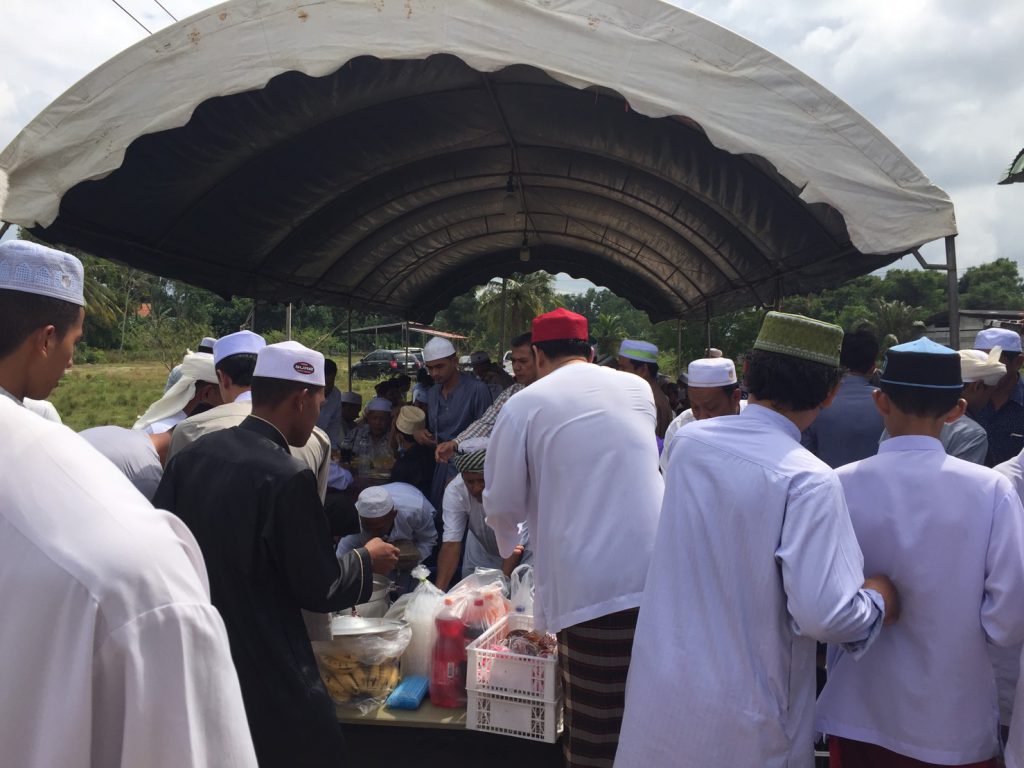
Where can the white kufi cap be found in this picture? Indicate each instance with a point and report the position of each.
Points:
(290, 361)
(438, 349)
(352, 398)
(208, 341)
(711, 372)
(32, 268)
(1004, 338)
(374, 502)
(976, 365)
(241, 343)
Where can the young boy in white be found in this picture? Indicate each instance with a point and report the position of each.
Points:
(949, 534)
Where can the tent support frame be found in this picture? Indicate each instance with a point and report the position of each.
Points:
(952, 289)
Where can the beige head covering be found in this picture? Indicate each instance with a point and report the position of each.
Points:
(195, 367)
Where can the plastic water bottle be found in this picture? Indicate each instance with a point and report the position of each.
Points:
(476, 619)
(448, 662)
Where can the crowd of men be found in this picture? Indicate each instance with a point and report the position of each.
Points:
(161, 584)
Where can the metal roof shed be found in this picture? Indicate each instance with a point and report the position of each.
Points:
(395, 153)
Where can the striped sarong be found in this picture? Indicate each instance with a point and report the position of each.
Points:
(847, 753)
(593, 658)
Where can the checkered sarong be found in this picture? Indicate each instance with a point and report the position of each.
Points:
(593, 658)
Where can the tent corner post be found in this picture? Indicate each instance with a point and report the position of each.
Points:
(348, 344)
(953, 290)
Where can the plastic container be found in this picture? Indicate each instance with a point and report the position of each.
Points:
(511, 674)
(476, 619)
(522, 718)
(448, 661)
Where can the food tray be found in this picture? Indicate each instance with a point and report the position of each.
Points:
(510, 674)
(522, 718)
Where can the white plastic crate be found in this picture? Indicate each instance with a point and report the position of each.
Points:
(511, 674)
(522, 718)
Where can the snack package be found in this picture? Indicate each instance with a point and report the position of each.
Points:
(360, 671)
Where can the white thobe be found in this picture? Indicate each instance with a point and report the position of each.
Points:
(462, 511)
(755, 560)
(160, 426)
(684, 418)
(112, 652)
(949, 535)
(1006, 661)
(43, 408)
(1015, 745)
(574, 456)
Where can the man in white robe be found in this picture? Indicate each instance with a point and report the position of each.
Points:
(755, 560)
(574, 455)
(113, 654)
(951, 534)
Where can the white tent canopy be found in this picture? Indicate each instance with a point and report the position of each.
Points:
(694, 167)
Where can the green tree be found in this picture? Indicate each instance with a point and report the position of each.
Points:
(995, 285)
(524, 297)
(608, 331)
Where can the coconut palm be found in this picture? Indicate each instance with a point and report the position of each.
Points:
(608, 330)
(525, 297)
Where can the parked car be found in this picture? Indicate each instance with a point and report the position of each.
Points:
(388, 362)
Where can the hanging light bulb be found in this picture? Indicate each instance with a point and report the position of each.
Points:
(510, 204)
(524, 250)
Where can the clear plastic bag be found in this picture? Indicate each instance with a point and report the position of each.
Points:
(479, 599)
(419, 608)
(521, 589)
(360, 671)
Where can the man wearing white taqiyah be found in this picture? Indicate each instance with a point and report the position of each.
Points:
(713, 391)
(234, 358)
(113, 654)
(399, 514)
(197, 383)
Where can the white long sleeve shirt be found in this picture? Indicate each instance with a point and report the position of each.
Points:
(755, 560)
(949, 535)
(112, 653)
(574, 455)
(414, 521)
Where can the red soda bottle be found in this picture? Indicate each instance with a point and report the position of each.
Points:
(448, 662)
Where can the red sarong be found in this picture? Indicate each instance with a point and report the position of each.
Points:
(847, 753)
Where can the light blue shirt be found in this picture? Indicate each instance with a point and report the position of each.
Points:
(949, 535)
(754, 560)
(414, 521)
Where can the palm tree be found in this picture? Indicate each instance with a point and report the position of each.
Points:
(608, 331)
(894, 317)
(525, 297)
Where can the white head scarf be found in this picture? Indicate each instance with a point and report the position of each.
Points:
(195, 367)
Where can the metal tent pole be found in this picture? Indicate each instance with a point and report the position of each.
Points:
(954, 293)
(288, 322)
(679, 347)
(350, 349)
(501, 343)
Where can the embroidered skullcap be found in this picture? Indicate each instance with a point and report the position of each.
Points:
(1005, 338)
(380, 404)
(410, 420)
(374, 502)
(290, 361)
(976, 365)
(801, 337)
(33, 268)
(352, 398)
(642, 351)
(240, 343)
(438, 349)
(206, 345)
(922, 363)
(711, 372)
(558, 325)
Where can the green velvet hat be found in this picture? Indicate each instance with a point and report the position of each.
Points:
(799, 336)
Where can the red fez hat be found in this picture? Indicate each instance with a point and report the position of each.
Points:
(560, 324)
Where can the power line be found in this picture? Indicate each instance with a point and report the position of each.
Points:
(164, 9)
(132, 17)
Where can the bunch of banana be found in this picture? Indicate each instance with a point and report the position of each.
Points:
(347, 678)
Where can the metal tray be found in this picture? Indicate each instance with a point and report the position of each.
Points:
(353, 626)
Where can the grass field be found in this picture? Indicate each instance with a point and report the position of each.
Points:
(94, 394)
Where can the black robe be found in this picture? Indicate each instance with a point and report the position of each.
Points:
(416, 467)
(255, 512)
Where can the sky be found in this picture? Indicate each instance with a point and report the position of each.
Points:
(943, 79)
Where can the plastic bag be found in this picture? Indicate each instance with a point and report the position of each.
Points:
(360, 671)
(522, 589)
(419, 608)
